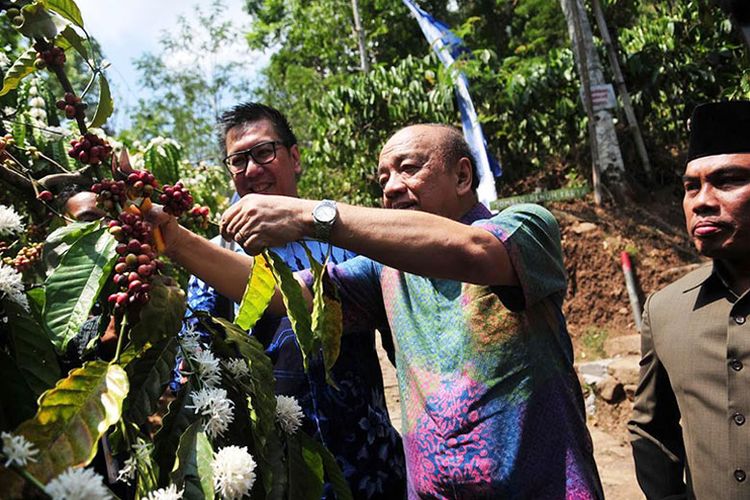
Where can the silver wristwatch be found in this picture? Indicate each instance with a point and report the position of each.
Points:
(324, 215)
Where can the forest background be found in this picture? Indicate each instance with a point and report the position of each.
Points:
(521, 69)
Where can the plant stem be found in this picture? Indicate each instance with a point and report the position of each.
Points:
(123, 326)
(31, 479)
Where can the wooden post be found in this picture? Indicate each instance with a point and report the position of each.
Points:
(622, 89)
(360, 32)
(605, 148)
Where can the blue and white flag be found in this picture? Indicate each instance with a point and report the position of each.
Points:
(448, 48)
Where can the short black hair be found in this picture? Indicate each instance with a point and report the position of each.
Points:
(247, 113)
(455, 147)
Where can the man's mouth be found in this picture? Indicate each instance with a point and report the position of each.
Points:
(261, 187)
(708, 229)
(405, 205)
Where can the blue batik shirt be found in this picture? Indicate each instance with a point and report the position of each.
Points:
(351, 421)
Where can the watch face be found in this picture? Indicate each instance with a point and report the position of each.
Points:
(325, 213)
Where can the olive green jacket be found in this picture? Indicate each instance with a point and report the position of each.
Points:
(688, 430)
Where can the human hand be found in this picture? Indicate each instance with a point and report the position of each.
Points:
(260, 221)
(167, 224)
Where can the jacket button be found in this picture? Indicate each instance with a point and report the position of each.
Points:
(736, 365)
(739, 418)
(740, 320)
(740, 475)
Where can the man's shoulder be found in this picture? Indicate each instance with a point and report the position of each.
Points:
(677, 291)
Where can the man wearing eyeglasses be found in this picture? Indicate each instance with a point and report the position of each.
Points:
(262, 157)
(491, 403)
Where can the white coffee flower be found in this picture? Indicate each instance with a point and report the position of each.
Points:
(10, 221)
(127, 473)
(190, 341)
(12, 287)
(288, 414)
(77, 484)
(17, 450)
(36, 102)
(234, 472)
(213, 403)
(38, 114)
(207, 367)
(168, 493)
(142, 450)
(237, 367)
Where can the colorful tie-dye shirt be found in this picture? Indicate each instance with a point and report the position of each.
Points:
(491, 405)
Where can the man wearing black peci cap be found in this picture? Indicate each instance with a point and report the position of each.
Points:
(689, 430)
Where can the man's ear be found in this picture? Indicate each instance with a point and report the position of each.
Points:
(294, 152)
(464, 176)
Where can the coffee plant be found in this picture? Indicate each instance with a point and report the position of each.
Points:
(90, 312)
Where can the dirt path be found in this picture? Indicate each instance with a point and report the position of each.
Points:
(612, 454)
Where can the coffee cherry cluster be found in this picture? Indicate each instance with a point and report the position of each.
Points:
(26, 258)
(137, 262)
(176, 199)
(70, 104)
(109, 193)
(54, 56)
(198, 217)
(129, 227)
(141, 183)
(90, 149)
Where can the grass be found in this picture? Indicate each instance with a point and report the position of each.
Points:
(591, 343)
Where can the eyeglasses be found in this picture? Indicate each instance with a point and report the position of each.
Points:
(262, 153)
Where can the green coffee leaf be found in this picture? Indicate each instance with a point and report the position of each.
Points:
(73, 416)
(22, 67)
(75, 284)
(258, 293)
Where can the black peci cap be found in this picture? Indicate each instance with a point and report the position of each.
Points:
(719, 128)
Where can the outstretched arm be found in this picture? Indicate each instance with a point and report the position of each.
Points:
(226, 271)
(408, 240)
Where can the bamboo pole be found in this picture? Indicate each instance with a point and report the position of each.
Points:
(360, 32)
(622, 88)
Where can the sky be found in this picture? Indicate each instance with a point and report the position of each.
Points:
(128, 29)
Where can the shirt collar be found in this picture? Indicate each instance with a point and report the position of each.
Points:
(709, 275)
(475, 213)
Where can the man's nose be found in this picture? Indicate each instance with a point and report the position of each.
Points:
(252, 169)
(705, 199)
(393, 186)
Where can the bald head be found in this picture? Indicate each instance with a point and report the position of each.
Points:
(427, 167)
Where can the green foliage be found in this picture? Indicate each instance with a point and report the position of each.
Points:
(257, 296)
(22, 67)
(67, 9)
(32, 350)
(193, 466)
(161, 317)
(352, 122)
(75, 285)
(592, 343)
(106, 106)
(327, 317)
(262, 407)
(296, 307)
(174, 424)
(73, 416)
(149, 374)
